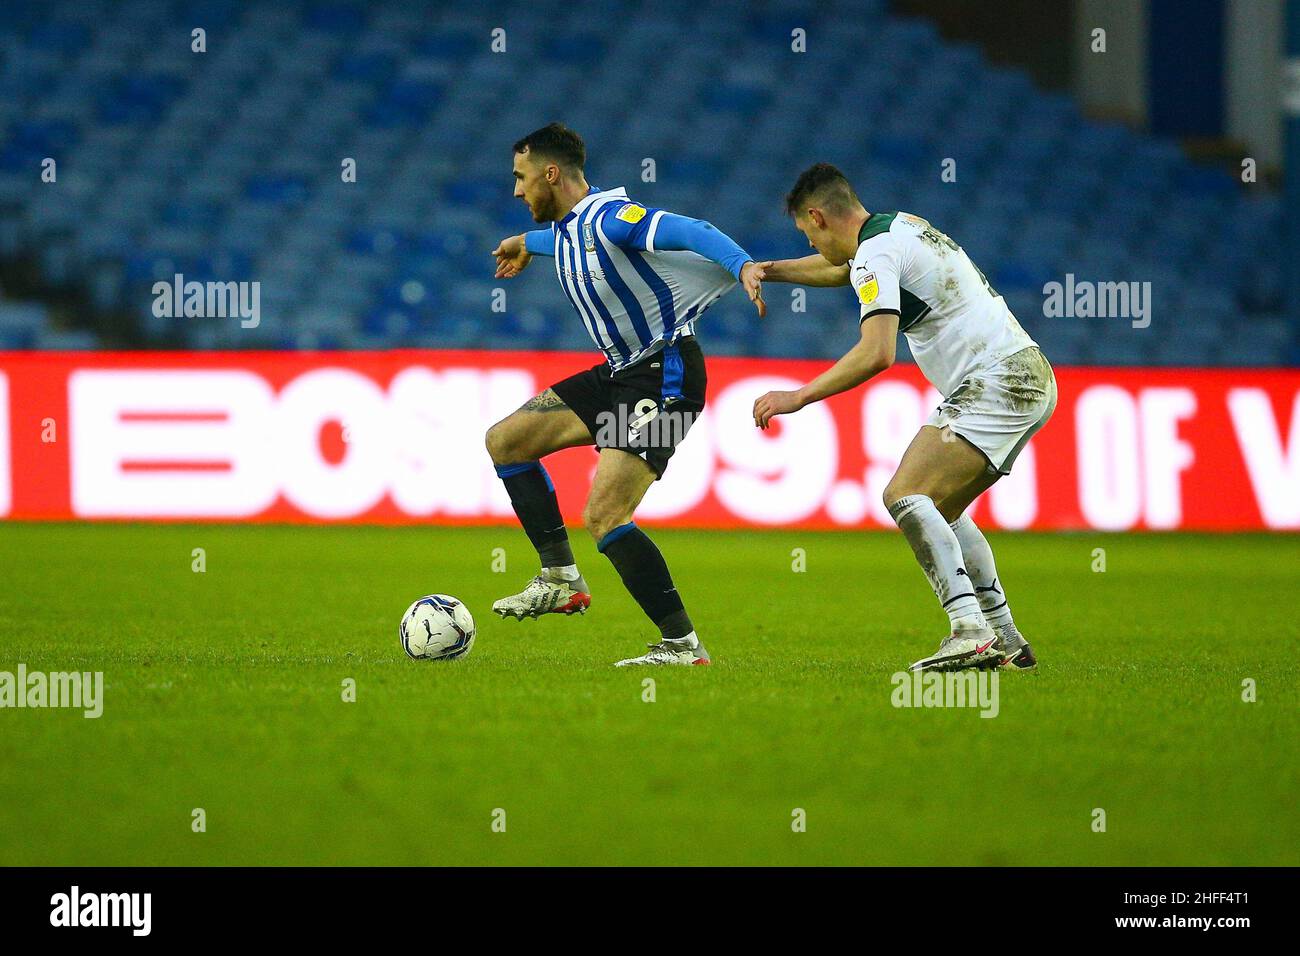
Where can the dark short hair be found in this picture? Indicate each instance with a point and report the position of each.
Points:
(820, 185)
(557, 143)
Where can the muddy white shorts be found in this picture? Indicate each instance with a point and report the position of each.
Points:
(998, 409)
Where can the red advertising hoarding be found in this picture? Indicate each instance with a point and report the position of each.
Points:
(397, 437)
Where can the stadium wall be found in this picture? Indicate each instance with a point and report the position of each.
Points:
(397, 437)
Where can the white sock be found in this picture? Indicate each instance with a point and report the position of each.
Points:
(568, 572)
(977, 554)
(936, 548)
(688, 640)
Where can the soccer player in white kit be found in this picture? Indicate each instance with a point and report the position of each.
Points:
(998, 387)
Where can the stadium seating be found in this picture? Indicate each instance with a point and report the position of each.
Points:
(226, 165)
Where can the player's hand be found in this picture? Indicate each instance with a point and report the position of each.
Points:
(772, 404)
(751, 277)
(512, 258)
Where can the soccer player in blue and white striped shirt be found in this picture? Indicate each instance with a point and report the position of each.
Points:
(638, 278)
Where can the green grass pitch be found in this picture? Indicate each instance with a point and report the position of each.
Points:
(223, 691)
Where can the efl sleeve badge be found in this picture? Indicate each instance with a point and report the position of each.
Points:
(868, 289)
(631, 213)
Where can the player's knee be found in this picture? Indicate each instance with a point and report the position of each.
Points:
(499, 444)
(600, 519)
(896, 491)
(893, 492)
(903, 487)
(594, 521)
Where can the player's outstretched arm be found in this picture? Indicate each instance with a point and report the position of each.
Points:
(810, 271)
(872, 355)
(633, 226)
(515, 252)
(705, 239)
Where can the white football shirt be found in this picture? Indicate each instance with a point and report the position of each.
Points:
(954, 321)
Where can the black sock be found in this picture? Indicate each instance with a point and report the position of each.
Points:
(645, 575)
(533, 497)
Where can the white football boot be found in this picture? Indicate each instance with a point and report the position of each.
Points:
(685, 650)
(545, 594)
(1017, 655)
(977, 647)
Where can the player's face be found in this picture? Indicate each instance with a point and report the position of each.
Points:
(532, 187)
(821, 238)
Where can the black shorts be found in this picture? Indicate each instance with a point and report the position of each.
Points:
(645, 409)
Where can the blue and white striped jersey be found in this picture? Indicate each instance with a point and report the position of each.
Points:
(634, 297)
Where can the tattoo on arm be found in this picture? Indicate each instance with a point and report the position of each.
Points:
(548, 401)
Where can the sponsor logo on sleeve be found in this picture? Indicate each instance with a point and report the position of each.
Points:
(868, 288)
(631, 213)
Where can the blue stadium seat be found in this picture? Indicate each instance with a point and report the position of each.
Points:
(228, 166)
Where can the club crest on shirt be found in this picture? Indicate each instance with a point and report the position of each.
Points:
(631, 213)
(589, 238)
(868, 288)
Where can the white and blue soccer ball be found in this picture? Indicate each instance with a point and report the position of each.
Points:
(437, 627)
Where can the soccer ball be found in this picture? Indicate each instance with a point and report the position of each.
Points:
(437, 627)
